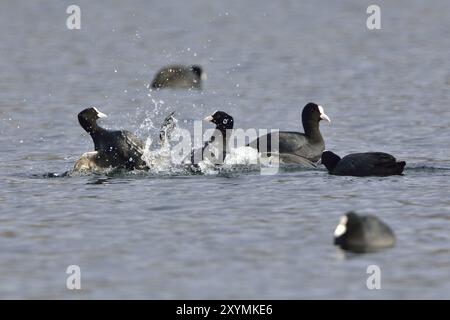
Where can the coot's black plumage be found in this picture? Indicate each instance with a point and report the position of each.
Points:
(363, 164)
(114, 148)
(308, 145)
(179, 76)
(363, 233)
(218, 143)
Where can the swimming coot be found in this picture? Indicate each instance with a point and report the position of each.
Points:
(363, 233)
(114, 148)
(362, 164)
(308, 145)
(179, 76)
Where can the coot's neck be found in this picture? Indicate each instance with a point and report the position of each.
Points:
(312, 131)
(330, 160)
(223, 131)
(213, 138)
(90, 126)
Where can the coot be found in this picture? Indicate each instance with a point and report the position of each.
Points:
(363, 233)
(179, 76)
(362, 164)
(308, 145)
(215, 149)
(114, 148)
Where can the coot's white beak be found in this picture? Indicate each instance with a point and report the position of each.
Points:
(204, 76)
(100, 114)
(208, 118)
(342, 227)
(323, 116)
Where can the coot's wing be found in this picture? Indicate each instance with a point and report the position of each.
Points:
(167, 75)
(292, 142)
(381, 157)
(377, 159)
(368, 164)
(293, 159)
(377, 234)
(288, 142)
(135, 149)
(386, 164)
(132, 141)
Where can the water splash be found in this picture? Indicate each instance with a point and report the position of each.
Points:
(160, 154)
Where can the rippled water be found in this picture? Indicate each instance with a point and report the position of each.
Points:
(238, 234)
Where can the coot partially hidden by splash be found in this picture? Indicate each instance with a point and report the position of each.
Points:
(179, 76)
(363, 164)
(363, 233)
(216, 148)
(113, 148)
(308, 145)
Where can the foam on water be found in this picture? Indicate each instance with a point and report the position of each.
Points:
(242, 155)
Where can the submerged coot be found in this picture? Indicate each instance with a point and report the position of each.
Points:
(363, 233)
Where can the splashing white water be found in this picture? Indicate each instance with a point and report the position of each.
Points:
(162, 154)
(242, 156)
(238, 159)
(158, 160)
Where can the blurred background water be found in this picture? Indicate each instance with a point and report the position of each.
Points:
(239, 235)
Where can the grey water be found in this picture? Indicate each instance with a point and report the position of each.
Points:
(238, 235)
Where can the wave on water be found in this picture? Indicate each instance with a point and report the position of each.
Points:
(427, 167)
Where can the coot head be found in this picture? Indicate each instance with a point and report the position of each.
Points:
(330, 160)
(314, 113)
(363, 233)
(348, 223)
(222, 120)
(88, 118)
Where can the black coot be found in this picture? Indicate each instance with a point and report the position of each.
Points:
(114, 148)
(179, 76)
(308, 145)
(363, 233)
(362, 164)
(215, 149)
